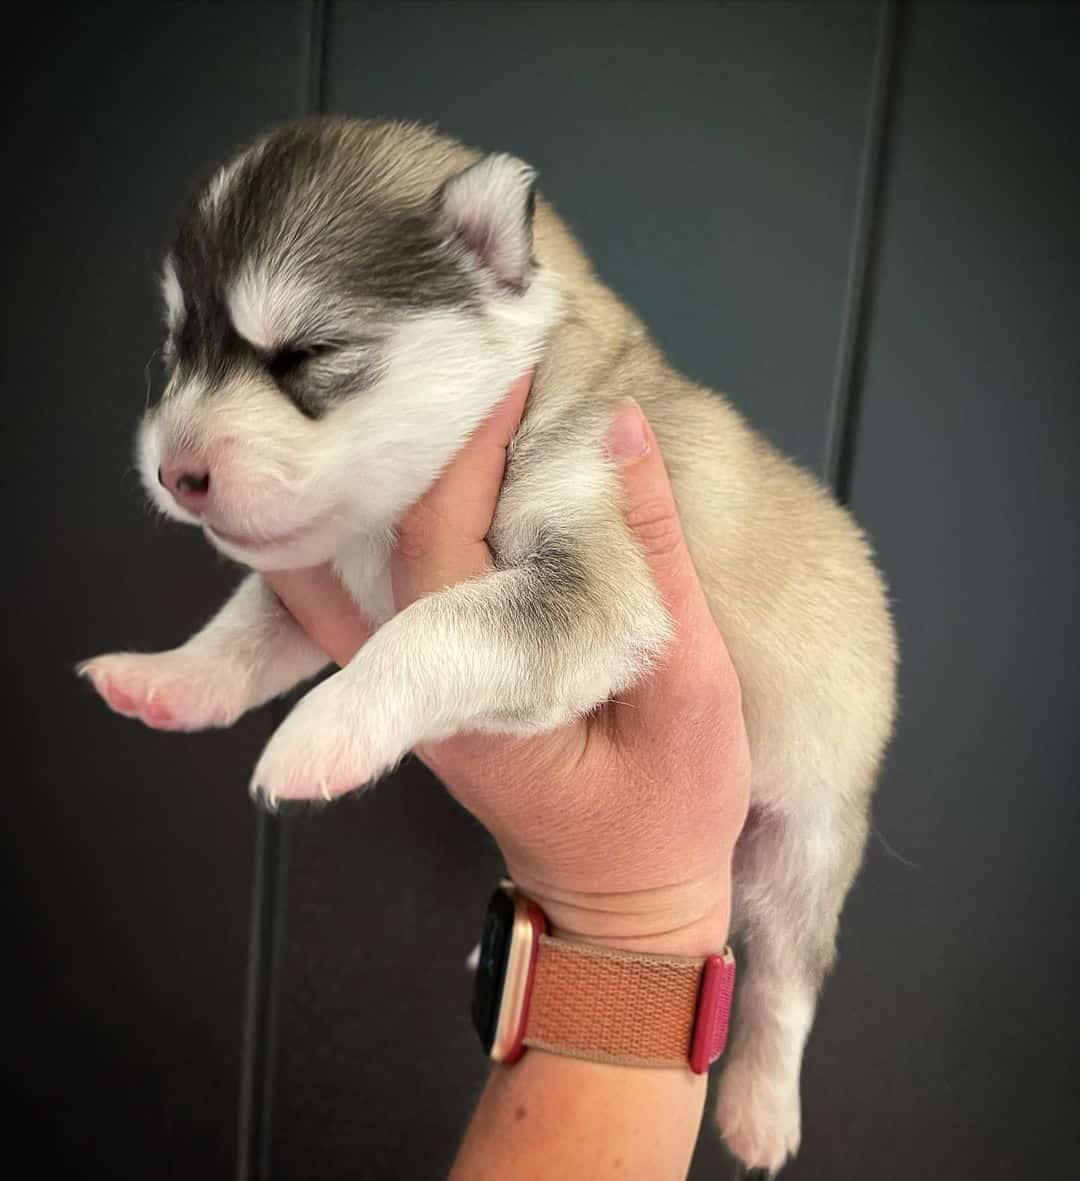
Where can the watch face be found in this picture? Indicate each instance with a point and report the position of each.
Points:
(491, 970)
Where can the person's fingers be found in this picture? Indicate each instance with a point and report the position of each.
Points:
(324, 609)
(440, 541)
(652, 516)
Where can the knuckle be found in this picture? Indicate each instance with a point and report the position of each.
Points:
(416, 535)
(655, 524)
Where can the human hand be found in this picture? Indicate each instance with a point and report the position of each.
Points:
(621, 825)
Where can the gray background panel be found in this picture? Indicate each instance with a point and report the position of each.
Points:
(708, 154)
(956, 969)
(127, 854)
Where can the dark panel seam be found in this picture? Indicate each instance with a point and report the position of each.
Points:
(318, 53)
(260, 1011)
(860, 289)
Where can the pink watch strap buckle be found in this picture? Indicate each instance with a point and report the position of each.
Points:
(713, 1011)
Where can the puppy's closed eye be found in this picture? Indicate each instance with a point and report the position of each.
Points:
(290, 358)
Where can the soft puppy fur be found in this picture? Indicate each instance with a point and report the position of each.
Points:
(345, 302)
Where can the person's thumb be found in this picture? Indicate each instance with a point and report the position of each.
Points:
(697, 650)
(649, 509)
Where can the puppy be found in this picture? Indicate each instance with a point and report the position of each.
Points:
(345, 302)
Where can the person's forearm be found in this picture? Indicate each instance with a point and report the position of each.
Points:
(556, 1117)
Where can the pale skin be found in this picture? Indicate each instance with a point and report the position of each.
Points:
(621, 825)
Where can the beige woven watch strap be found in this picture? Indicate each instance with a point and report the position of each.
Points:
(613, 1006)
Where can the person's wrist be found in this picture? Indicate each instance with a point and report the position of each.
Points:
(689, 918)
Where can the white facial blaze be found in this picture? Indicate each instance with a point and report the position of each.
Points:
(269, 311)
(254, 313)
(212, 200)
(172, 294)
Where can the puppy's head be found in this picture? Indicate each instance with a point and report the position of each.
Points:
(344, 303)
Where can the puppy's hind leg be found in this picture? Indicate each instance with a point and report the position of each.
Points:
(792, 873)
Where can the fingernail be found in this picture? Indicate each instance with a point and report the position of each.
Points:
(626, 438)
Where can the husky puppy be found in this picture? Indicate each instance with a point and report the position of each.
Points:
(345, 302)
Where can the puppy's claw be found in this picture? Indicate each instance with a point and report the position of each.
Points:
(323, 749)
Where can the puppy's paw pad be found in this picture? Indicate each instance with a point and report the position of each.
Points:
(758, 1117)
(165, 690)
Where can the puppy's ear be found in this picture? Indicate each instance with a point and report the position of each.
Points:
(488, 208)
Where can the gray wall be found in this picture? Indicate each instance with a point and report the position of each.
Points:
(858, 221)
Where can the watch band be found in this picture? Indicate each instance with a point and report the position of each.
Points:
(627, 1007)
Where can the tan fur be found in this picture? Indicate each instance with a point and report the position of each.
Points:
(571, 616)
(792, 584)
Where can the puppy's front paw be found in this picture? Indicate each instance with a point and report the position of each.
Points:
(175, 690)
(328, 745)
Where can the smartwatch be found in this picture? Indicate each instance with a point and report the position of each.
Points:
(598, 1003)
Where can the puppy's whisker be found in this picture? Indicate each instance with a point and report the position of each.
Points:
(149, 379)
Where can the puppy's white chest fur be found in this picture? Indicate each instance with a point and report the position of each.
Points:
(364, 568)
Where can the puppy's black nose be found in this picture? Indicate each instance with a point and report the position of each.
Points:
(188, 483)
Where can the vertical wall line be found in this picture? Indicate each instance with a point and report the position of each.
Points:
(319, 33)
(850, 369)
(266, 940)
(260, 1006)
